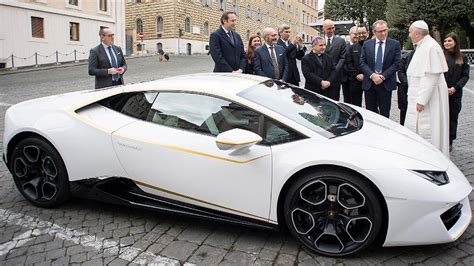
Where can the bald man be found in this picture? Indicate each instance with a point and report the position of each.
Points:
(269, 59)
(336, 48)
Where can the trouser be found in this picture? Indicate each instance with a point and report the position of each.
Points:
(346, 91)
(403, 114)
(356, 92)
(455, 105)
(378, 100)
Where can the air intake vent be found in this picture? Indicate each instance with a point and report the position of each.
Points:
(451, 216)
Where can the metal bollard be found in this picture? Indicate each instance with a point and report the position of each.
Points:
(57, 58)
(13, 63)
(75, 56)
(36, 59)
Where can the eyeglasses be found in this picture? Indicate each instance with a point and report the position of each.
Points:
(361, 33)
(109, 35)
(385, 30)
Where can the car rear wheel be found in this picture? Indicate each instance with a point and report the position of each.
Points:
(39, 173)
(333, 213)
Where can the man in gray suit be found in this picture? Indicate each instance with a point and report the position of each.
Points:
(336, 48)
(106, 61)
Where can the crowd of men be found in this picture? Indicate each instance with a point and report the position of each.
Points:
(371, 67)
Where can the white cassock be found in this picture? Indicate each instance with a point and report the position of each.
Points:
(427, 86)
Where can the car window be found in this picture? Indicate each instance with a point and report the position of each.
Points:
(211, 115)
(134, 104)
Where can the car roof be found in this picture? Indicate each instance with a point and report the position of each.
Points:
(216, 83)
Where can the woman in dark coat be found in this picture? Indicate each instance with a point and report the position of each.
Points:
(456, 78)
(254, 43)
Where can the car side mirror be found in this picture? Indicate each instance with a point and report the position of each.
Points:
(236, 139)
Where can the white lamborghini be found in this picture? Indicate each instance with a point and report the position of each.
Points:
(240, 149)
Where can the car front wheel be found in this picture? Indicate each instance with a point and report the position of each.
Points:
(39, 173)
(333, 213)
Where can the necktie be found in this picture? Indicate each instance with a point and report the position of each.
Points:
(328, 45)
(378, 60)
(114, 62)
(230, 37)
(275, 64)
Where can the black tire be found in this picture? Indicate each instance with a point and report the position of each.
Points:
(39, 173)
(333, 213)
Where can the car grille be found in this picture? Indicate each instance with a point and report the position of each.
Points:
(451, 216)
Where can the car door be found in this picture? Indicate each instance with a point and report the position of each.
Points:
(174, 154)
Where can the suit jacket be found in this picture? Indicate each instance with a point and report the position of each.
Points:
(338, 53)
(314, 72)
(344, 74)
(352, 65)
(402, 91)
(292, 53)
(391, 63)
(99, 64)
(263, 64)
(227, 56)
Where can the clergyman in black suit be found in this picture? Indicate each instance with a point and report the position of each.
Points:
(269, 59)
(294, 49)
(226, 46)
(319, 70)
(106, 61)
(380, 61)
(336, 48)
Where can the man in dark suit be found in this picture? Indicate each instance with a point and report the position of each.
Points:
(345, 77)
(402, 92)
(336, 48)
(354, 72)
(269, 59)
(380, 61)
(226, 46)
(294, 49)
(106, 61)
(318, 70)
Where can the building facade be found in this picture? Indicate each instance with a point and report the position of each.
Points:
(34, 30)
(184, 26)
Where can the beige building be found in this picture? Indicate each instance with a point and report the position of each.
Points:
(184, 26)
(34, 30)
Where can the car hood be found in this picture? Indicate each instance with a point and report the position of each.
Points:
(384, 134)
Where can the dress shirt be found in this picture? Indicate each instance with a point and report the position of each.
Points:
(377, 47)
(270, 51)
(106, 47)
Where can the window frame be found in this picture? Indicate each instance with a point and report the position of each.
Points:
(71, 26)
(42, 27)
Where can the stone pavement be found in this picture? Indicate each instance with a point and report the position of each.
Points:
(90, 233)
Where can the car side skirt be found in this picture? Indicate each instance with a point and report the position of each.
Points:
(123, 191)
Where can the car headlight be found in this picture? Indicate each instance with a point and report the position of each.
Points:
(436, 177)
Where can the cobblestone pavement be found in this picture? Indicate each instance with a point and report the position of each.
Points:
(91, 233)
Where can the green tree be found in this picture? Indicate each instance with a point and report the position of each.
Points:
(441, 15)
(356, 10)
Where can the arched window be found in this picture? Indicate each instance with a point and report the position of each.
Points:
(221, 4)
(159, 24)
(139, 26)
(248, 12)
(187, 25)
(235, 7)
(206, 28)
(259, 16)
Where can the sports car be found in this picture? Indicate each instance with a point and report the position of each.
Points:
(241, 149)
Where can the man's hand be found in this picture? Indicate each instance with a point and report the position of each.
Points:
(113, 71)
(420, 107)
(120, 70)
(451, 91)
(360, 77)
(238, 71)
(325, 84)
(377, 79)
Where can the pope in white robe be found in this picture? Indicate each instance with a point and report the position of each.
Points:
(428, 110)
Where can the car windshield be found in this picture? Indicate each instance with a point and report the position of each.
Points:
(315, 112)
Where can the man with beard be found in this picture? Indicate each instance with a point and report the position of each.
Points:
(355, 74)
(269, 59)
